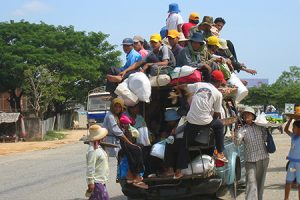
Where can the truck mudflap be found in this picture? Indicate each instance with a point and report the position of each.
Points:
(182, 188)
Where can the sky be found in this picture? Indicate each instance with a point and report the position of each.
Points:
(266, 33)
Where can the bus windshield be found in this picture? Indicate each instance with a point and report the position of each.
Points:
(98, 102)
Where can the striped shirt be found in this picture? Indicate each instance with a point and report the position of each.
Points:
(254, 138)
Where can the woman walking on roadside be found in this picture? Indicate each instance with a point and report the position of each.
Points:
(97, 165)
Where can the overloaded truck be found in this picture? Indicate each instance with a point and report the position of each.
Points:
(206, 175)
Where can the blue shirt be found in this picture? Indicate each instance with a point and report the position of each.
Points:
(132, 57)
(294, 154)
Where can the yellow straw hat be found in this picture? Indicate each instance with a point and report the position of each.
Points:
(96, 132)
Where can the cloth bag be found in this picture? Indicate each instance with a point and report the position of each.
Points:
(160, 80)
(270, 144)
(143, 137)
(182, 71)
(158, 149)
(193, 78)
(226, 71)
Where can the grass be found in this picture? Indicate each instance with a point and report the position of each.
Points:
(53, 135)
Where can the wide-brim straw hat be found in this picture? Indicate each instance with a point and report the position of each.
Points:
(96, 132)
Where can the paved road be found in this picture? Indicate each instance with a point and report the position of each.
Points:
(59, 174)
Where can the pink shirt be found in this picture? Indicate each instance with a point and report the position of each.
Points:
(143, 52)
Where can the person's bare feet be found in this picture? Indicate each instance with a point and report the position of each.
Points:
(169, 172)
(114, 79)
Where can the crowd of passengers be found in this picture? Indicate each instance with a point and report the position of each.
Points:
(193, 44)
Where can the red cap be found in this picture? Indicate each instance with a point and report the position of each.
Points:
(218, 76)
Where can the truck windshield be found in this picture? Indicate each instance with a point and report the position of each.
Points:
(98, 102)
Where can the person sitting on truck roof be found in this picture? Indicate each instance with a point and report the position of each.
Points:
(159, 61)
(206, 99)
(226, 53)
(193, 21)
(138, 45)
(219, 23)
(195, 55)
(132, 151)
(182, 40)
(204, 27)
(213, 45)
(113, 75)
(173, 38)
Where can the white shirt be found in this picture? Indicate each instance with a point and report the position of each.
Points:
(97, 165)
(173, 21)
(206, 100)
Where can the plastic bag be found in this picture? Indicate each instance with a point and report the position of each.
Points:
(226, 71)
(158, 149)
(130, 99)
(143, 137)
(140, 85)
(242, 90)
(197, 165)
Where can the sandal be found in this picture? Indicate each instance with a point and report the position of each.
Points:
(178, 175)
(130, 181)
(152, 176)
(141, 185)
(221, 157)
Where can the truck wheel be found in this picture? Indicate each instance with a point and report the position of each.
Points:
(233, 189)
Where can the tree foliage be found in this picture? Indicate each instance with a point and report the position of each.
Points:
(284, 90)
(76, 58)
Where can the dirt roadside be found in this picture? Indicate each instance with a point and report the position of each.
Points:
(72, 136)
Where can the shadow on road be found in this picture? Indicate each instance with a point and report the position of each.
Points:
(276, 169)
(275, 187)
(121, 197)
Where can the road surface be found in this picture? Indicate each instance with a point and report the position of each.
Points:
(59, 174)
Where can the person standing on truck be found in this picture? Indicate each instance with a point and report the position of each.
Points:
(206, 99)
(174, 20)
(174, 143)
(293, 169)
(132, 151)
(256, 155)
(113, 75)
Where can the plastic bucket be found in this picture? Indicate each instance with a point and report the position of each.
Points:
(242, 90)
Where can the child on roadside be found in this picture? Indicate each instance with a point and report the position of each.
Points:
(97, 165)
(256, 155)
(294, 158)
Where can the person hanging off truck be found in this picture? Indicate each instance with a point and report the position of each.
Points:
(202, 54)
